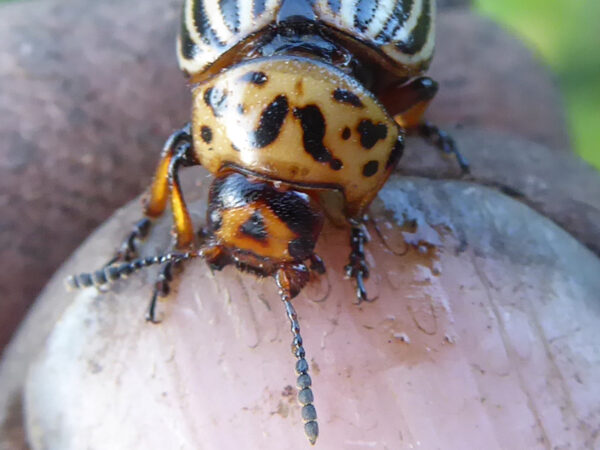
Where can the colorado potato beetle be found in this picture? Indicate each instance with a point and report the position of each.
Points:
(293, 100)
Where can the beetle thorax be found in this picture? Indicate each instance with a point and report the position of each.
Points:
(297, 121)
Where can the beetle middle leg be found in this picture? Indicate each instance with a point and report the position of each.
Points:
(176, 153)
(408, 102)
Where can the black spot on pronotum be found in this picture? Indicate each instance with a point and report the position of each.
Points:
(216, 99)
(345, 96)
(336, 164)
(396, 153)
(313, 129)
(255, 228)
(206, 134)
(370, 168)
(346, 133)
(371, 133)
(258, 78)
(271, 121)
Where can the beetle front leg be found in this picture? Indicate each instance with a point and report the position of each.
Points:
(357, 268)
(162, 287)
(408, 102)
(212, 254)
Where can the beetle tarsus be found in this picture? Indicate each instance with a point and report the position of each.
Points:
(128, 249)
(151, 312)
(444, 142)
(357, 268)
(162, 287)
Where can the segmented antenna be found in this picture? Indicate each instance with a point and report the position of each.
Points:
(112, 273)
(305, 394)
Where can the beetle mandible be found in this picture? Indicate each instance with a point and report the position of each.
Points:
(292, 100)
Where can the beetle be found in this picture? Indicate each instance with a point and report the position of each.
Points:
(294, 102)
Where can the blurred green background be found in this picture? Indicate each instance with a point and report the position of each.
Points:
(566, 34)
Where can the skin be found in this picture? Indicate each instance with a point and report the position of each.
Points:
(470, 72)
(454, 353)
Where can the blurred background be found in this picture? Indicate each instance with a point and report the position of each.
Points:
(566, 34)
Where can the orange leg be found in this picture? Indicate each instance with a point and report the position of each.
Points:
(408, 102)
(177, 153)
(172, 156)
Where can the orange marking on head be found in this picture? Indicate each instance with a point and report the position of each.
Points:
(278, 234)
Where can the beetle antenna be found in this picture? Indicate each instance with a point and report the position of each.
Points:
(305, 394)
(112, 273)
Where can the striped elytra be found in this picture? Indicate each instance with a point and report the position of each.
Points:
(402, 30)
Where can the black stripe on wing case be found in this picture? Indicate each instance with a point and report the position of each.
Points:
(203, 27)
(230, 12)
(418, 36)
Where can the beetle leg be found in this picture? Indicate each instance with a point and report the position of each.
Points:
(177, 153)
(212, 254)
(444, 142)
(357, 268)
(162, 288)
(286, 284)
(408, 103)
(316, 264)
(159, 193)
(128, 251)
(182, 222)
(159, 190)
